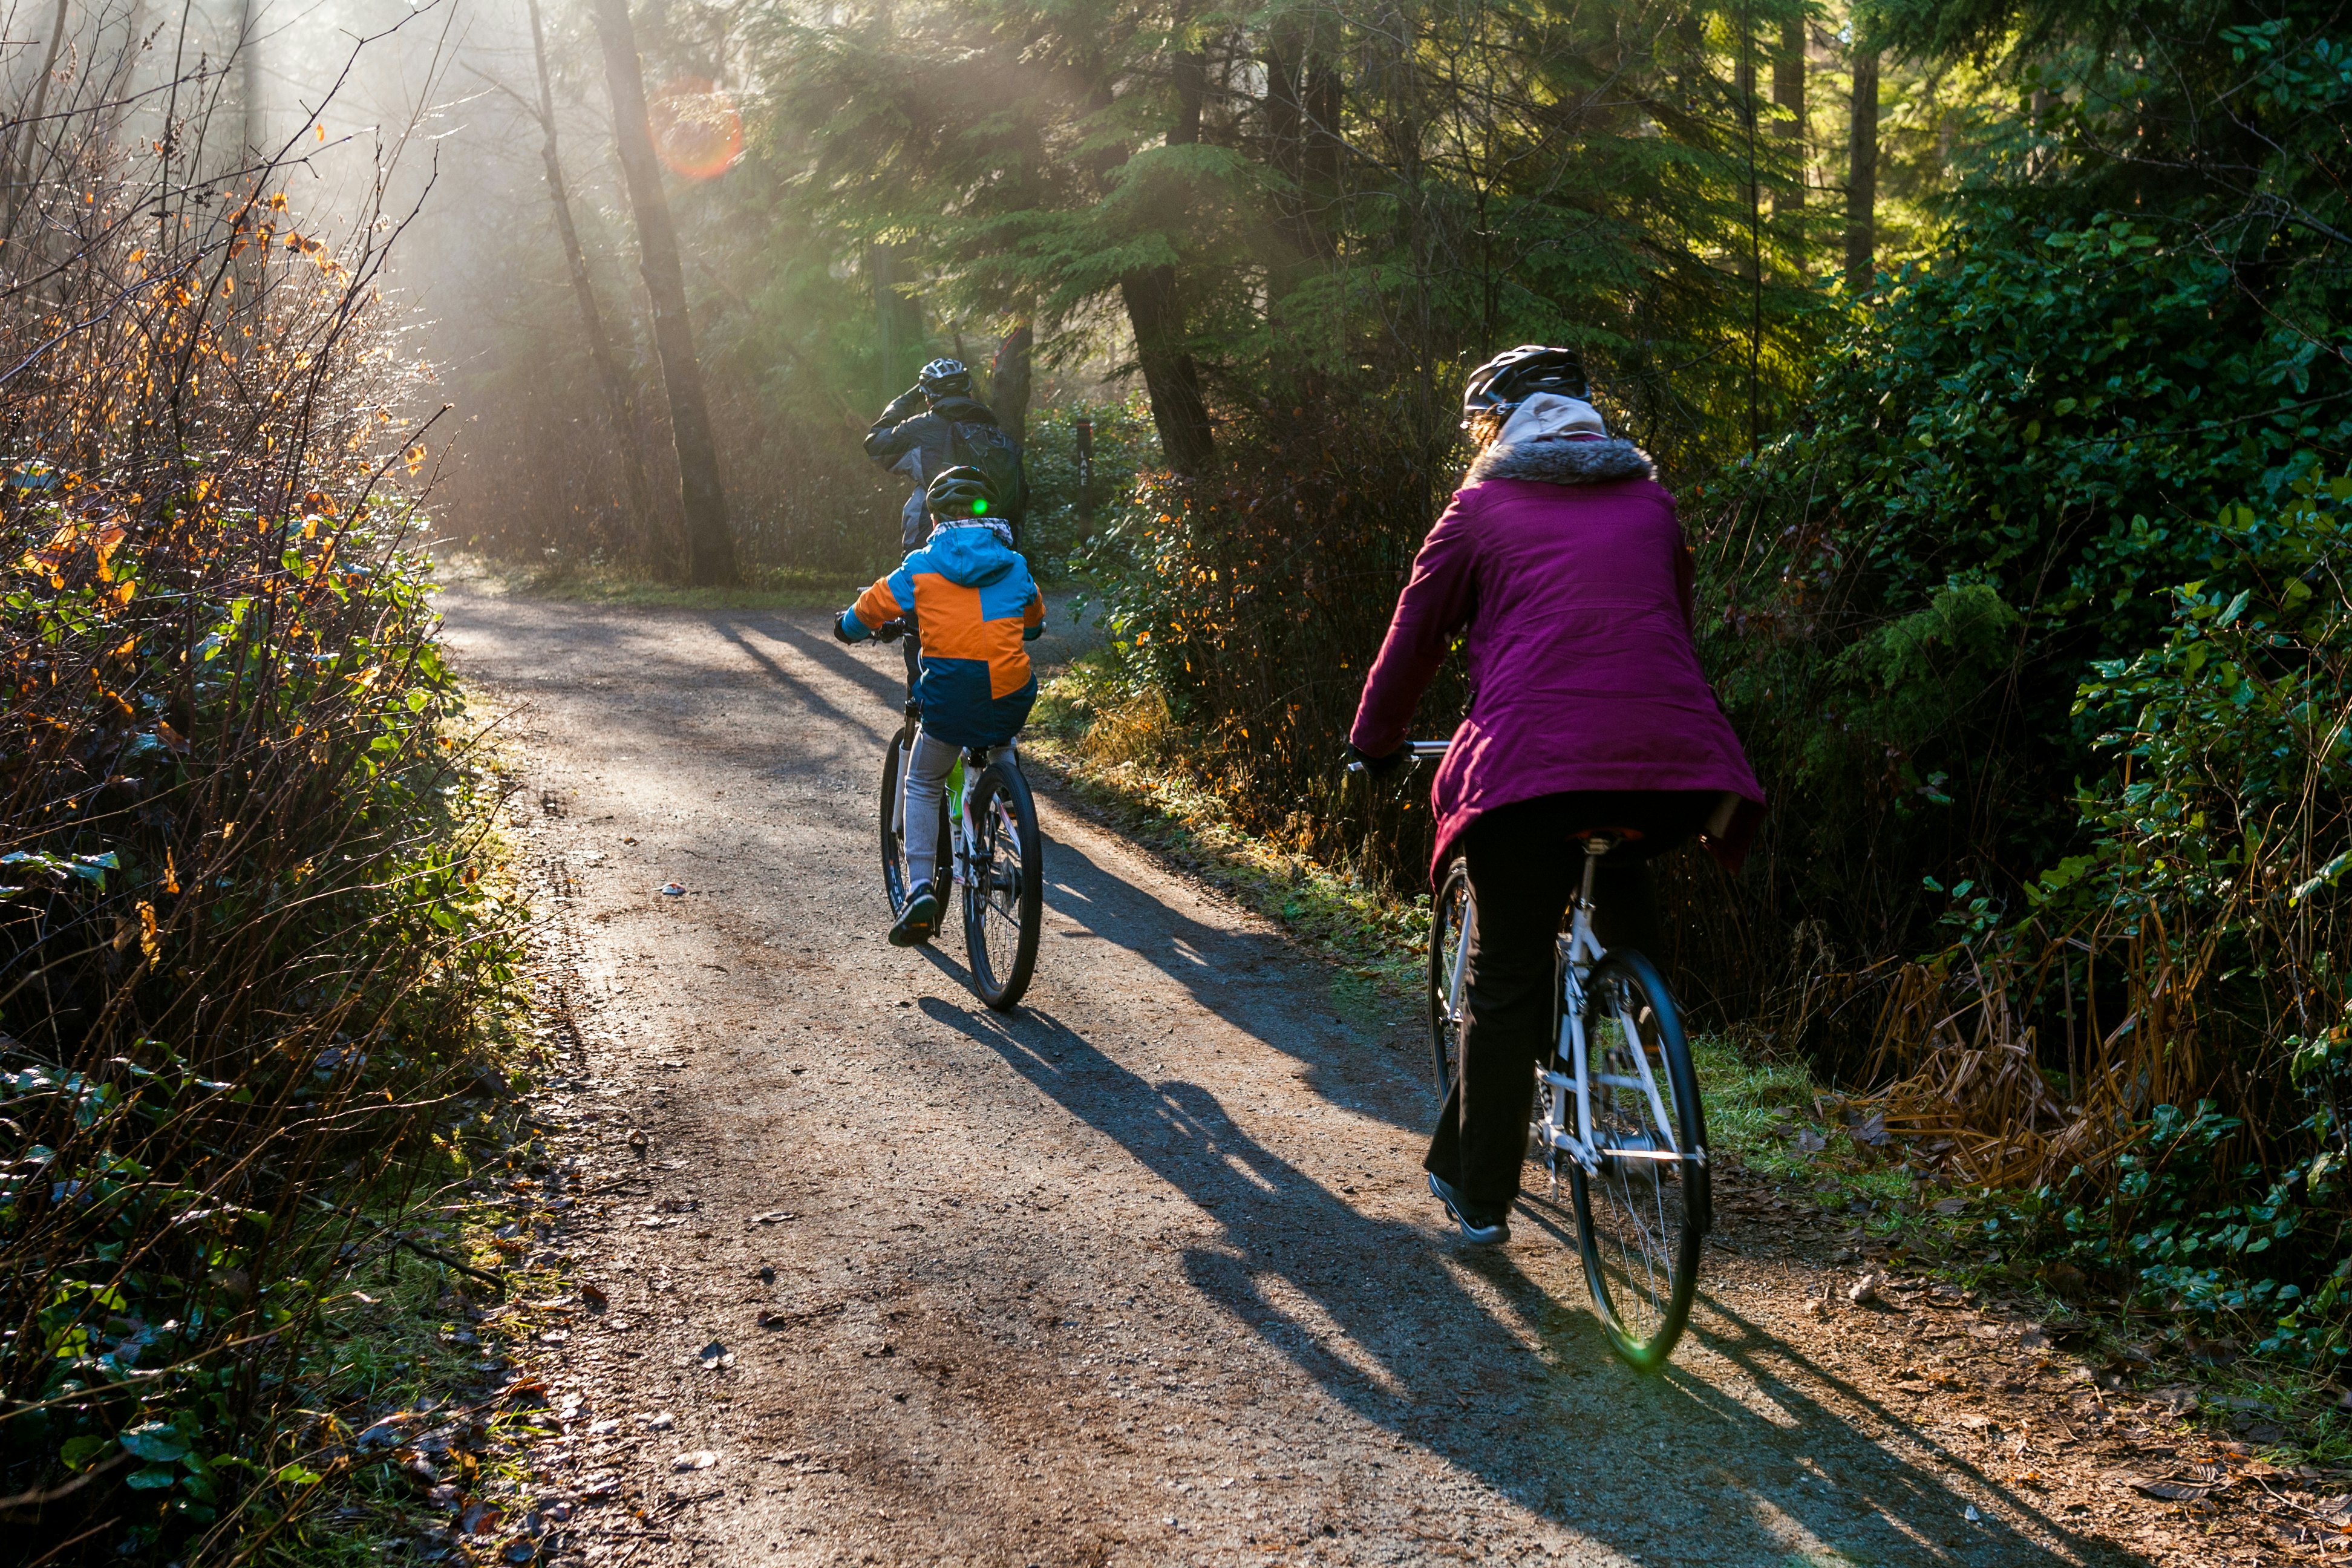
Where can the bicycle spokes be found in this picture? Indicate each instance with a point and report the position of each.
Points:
(1642, 1201)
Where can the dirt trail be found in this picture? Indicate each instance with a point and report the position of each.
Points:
(1144, 1273)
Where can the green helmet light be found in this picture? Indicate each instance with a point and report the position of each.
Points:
(979, 509)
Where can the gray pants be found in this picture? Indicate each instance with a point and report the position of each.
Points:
(928, 762)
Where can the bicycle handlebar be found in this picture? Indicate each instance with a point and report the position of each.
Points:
(1420, 751)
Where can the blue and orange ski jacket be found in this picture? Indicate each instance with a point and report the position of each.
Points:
(970, 598)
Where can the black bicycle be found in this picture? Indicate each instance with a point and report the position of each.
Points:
(989, 843)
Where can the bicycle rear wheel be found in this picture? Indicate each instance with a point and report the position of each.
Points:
(1451, 916)
(1005, 887)
(896, 882)
(1641, 1220)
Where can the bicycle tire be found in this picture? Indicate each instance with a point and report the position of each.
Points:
(1452, 916)
(1639, 1218)
(894, 841)
(1004, 894)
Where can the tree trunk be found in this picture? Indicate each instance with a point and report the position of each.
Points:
(1862, 175)
(1789, 96)
(710, 547)
(248, 48)
(1008, 383)
(1169, 376)
(1157, 318)
(620, 401)
(19, 173)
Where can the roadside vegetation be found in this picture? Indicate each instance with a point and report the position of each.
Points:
(260, 956)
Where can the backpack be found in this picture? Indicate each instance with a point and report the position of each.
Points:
(988, 449)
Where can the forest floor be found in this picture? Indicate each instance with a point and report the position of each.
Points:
(861, 1272)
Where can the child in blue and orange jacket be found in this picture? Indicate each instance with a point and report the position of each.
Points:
(969, 596)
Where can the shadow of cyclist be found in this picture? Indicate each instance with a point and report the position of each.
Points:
(1508, 1376)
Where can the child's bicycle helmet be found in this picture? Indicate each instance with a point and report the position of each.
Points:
(1511, 377)
(960, 493)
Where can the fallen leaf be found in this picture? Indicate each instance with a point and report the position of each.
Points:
(1864, 1290)
(673, 889)
(773, 1217)
(386, 1432)
(480, 1519)
(594, 1297)
(716, 1356)
(1811, 1143)
(1949, 1206)
(697, 1459)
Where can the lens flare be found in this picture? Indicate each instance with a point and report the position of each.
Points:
(697, 132)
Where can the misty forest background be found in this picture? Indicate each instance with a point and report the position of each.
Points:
(1997, 353)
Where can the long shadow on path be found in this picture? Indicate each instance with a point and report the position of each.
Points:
(1368, 1309)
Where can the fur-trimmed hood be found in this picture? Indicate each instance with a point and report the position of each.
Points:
(1562, 460)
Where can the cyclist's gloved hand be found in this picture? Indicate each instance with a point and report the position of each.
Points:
(890, 631)
(1381, 767)
(840, 631)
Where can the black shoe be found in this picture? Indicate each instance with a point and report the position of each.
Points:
(1479, 1227)
(917, 919)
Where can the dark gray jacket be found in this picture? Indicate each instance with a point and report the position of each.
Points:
(921, 447)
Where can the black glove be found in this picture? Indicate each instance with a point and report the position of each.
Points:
(890, 631)
(841, 630)
(1381, 767)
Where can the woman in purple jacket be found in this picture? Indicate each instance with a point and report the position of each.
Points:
(1561, 559)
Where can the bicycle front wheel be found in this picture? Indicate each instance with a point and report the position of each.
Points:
(1451, 916)
(1642, 1218)
(1005, 889)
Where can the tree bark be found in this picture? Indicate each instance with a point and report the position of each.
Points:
(1008, 383)
(620, 400)
(1789, 96)
(1170, 374)
(1156, 316)
(18, 173)
(1862, 175)
(710, 547)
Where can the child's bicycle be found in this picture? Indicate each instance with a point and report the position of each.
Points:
(989, 845)
(1618, 1109)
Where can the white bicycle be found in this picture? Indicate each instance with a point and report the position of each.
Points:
(1618, 1109)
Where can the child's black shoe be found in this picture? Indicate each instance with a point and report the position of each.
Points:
(918, 919)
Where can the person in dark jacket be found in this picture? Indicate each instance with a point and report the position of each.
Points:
(916, 437)
(1561, 568)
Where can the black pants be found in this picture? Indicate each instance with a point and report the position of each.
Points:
(1525, 864)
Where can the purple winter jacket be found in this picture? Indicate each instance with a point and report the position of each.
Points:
(1563, 559)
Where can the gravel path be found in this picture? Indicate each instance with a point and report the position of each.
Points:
(1144, 1273)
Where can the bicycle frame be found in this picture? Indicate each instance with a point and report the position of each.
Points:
(1578, 951)
(961, 781)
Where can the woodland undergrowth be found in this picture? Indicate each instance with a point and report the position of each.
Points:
(257, 965)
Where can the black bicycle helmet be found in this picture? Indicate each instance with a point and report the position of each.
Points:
(1511, 377)
(960, 493)
(945, 378)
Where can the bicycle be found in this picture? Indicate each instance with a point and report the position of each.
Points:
(989, 845)
(1619, 1108)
